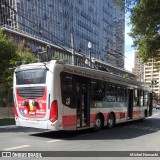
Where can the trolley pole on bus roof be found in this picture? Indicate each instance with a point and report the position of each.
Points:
(72, 46)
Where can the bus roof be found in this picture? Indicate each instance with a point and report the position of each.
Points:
(84, 71)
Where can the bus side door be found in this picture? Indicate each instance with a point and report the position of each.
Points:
(82, 101)
(130, 104)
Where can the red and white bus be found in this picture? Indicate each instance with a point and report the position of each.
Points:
(58, 96)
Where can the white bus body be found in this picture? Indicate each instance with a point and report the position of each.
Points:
(58, 96)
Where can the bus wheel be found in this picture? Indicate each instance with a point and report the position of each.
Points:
(111, 121)
(98, 123)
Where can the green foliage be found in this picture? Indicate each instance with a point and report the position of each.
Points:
(128, 5)
(55, 58)
(7, 52)
(126, 75)
(145, 19)
(24, 58)
(20, 58)
(58, 58)
(10, 57)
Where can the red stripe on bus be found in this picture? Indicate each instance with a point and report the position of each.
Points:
(69, 120)
(138, 112)
(92, 118)
(118, 115)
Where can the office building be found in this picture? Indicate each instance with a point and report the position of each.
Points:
(152, 76)
(101, 22)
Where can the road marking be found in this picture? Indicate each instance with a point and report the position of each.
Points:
(55, 140)
(18, 147)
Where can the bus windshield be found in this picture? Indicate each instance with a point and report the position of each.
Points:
(31, 76)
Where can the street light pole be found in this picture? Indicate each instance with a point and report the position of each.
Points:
(72, 46)
(90, 60)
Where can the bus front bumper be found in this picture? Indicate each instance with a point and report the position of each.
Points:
(47, 124)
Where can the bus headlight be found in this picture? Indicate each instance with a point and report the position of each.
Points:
(25, 103)
(35, 103)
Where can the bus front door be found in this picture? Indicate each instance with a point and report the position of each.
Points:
(82, 102)
(130, 104)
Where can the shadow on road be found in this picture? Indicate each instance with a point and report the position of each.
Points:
(121, 131)
(16, 129)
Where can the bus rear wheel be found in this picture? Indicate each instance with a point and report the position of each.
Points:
(98, 123)
(111, 121)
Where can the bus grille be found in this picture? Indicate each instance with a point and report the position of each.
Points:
(31, 92)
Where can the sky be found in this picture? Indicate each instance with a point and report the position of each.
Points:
(129, 51)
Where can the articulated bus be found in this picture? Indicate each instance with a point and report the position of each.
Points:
(59, 96)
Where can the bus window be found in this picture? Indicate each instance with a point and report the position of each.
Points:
(145, 98)
(68, 91)
(114, 92)
(138, 98)
(111, 93)
(121, 94)
(98, 90)
(32, 76)
(135, 99)
(141, 98)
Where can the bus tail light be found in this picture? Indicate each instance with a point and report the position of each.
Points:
(54, 111)
(15, 112)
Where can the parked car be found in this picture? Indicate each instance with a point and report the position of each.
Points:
(158, 106)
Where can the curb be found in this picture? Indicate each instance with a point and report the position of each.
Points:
(9, 126)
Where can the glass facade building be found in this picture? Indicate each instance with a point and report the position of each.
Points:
(101, 22)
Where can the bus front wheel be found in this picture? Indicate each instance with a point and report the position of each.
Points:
(111, 121)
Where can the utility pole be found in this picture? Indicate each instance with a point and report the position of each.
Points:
(152, 76)
(47, 49)
(72, 46)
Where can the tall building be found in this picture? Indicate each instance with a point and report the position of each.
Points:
(152, 76)
(101, 22)
(138, 69)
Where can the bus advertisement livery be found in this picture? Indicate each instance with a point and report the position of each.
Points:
(58, 96)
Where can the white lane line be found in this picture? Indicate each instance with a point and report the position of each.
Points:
(55, 140)
(18, 147)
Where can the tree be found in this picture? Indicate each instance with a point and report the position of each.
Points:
(145, 21)
(10, 57)
(127, 5)
(20, 58)
(7, 52)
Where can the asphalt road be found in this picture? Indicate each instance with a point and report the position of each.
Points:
(132, 136)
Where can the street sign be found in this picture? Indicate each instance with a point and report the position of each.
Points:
(154, 82)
